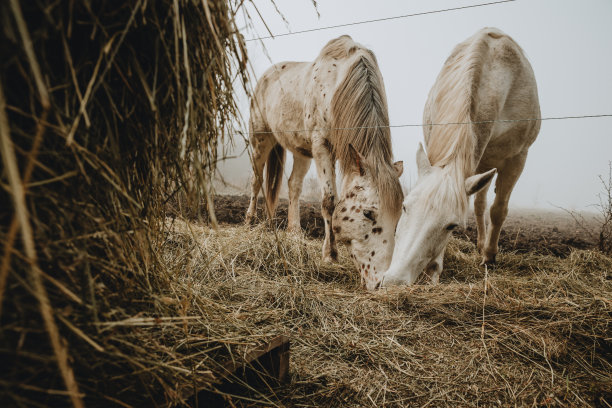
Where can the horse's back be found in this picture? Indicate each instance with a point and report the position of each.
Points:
(492, 79)
(507, 91)
(300, 95)
(276, 95)
(506, 78)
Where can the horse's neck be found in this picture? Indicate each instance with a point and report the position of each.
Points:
(453, 181)
(459, 161)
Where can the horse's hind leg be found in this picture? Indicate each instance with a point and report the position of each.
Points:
(506, 180)
(261, 145)
(301, 164)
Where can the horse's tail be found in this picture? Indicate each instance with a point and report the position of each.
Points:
(274, 176)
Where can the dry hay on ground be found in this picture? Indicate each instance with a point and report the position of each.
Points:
(534, 330)
(547, 232)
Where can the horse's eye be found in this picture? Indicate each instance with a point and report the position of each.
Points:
(368, 214)
(451, 227)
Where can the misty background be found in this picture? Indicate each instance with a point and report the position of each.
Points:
(567, 42)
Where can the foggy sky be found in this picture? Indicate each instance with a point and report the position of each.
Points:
(567, 42)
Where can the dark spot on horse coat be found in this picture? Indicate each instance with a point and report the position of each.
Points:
(337, 229)
(304, 152)
(328, 204)
(376, 230)
(334, 253)
(327, 144)
(373, 252)
(345, 218)
(351, 220)
(323, 171)
(384, 241)
(352, 208)
(283, 67)
(357, 210)
(366, 236)
(343, 209)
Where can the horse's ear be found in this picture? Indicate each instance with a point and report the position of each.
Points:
(357, 161)
(399, 168)
(477, 182)
(422, 161)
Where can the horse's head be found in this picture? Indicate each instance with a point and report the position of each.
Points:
(366, 216)
(433, 208)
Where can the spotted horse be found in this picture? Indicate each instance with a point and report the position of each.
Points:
(331, 109)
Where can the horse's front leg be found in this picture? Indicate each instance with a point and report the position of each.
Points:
(434, 269)
(480, 207)
(507, 177)
(325, 163)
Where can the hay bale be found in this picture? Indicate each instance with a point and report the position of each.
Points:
(108, 109)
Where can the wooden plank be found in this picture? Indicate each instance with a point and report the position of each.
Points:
(264, 366)
(272, 358)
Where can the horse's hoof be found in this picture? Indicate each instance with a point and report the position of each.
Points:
(328, 259)
(330, 255)
(294, 230)
(488, 260)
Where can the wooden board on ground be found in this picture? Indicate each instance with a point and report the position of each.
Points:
(261, 368)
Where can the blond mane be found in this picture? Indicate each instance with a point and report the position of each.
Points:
(359, 117)
(453, 100)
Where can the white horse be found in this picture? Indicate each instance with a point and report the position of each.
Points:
(332, 108)
(486, 78)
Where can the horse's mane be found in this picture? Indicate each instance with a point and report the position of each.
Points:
(452, 99)
(359, 117)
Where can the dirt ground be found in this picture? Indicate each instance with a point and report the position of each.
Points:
(552, 232)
